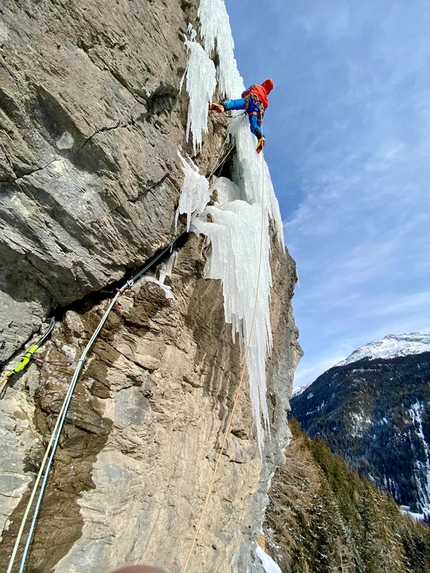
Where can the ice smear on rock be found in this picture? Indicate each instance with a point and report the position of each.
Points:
(164, 270)
(225, 190)
(269, 565)
(238, 248)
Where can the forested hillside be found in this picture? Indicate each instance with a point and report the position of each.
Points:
(375, 414)
(324, 517)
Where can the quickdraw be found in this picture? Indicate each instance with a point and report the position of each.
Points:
(26, 357)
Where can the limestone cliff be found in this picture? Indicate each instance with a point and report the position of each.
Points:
(92, 116)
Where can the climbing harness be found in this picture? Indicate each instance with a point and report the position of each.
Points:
(259, 104)
(42, 476)
(241, 380)
(26, 357)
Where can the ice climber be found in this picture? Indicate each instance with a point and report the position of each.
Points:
(254, 101)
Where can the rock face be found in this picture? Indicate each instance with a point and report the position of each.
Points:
(91, 120)
(92, 117)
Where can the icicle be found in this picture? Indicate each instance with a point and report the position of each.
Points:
(216, 33)
(164, 270)
(166, 267)
(234, 259)
(200, 85)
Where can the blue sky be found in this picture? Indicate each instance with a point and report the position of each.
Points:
(348, 146)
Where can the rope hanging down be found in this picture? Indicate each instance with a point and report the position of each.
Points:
(239, 387)
(226, 148)
(225, 151)
(45, 467)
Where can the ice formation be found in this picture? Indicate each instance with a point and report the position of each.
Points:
(195, 192)
(238, 229)
(164, 270)
(235, 259)
(167, 290)
(252, 174)
(216, 34)
(200, 84)
(166, 267)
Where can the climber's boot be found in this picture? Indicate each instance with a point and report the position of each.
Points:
(261, 143)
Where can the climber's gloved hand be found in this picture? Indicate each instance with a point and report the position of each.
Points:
(218, 107)
(261, 143)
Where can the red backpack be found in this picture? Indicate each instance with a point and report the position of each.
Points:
(258, 91)
(261, 91)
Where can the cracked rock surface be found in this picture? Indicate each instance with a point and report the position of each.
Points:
(144, 429)
(90, 121)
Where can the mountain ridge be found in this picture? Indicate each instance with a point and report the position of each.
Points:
(391, 346)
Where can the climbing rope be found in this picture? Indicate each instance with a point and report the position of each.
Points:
(54, 362)
(226, 148)
(222, 156)
(239, 387)
(42, 476)
(26, 357)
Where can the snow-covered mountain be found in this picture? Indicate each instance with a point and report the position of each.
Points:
(373, 409)
(297, 390)
(391, 346)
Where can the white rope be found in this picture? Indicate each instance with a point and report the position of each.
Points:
(51, 449)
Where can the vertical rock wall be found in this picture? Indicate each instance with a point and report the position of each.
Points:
(92, 117)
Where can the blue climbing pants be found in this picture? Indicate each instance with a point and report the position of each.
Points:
(253, 117)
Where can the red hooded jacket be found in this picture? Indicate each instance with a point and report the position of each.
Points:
(261, 91)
